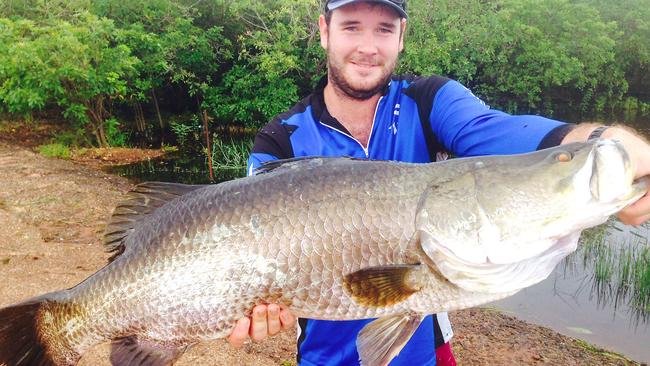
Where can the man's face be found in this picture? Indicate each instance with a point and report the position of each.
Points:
(363, 41)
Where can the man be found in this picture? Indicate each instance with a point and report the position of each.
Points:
(364, 111)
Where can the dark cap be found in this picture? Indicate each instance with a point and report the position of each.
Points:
(398, 5)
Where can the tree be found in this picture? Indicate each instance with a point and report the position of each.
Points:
(632, 41)
(152, 70)
(279, 60)
(75, 66)
(552, 52)
(451, 38)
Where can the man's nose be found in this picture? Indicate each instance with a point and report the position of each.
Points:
(368, 44)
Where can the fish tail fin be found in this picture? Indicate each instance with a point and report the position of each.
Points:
(22, 338)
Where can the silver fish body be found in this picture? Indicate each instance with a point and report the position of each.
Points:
(330, 238)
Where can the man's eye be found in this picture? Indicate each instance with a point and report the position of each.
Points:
(385, 30)
(351, 29)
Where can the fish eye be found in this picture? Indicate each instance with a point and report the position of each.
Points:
(563, 156)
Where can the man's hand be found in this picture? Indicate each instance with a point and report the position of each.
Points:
(639, 150)
(266, 320)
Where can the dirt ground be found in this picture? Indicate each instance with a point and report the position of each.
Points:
(52, 215)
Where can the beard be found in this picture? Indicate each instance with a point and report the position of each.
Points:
(340, 82)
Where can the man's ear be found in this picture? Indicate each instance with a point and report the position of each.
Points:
(324, 31)
(401, 34)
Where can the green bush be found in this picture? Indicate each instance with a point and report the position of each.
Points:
(186, 130)
(55, 150)
(114, 134)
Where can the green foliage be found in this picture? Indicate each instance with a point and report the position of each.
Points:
(43, 10)
(553, 52)
(154, 16)
(152, 66)
(114, 134)
(278, 58)
(195, 55)
(632, 18)
(451, 38)
(246, 61)
(525, 55)
(186, 130)
(55, 150)
(250, 98)
(74, 66)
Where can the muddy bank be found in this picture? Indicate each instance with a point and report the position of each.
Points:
(52, 214)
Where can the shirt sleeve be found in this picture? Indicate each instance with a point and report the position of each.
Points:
(468, 127)
(271, 143)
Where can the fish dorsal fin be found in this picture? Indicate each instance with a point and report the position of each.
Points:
(129, 351)
(384, 285)
(382, 339)
(144, 199)
(299, 162)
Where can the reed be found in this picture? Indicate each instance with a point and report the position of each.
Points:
(620, 267)
(230, 155)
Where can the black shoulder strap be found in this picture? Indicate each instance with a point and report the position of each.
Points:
(423, 91)
(273, 139)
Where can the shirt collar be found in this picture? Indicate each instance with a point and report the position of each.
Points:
(319, 109)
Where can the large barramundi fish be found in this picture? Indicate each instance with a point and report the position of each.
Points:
(330, 238)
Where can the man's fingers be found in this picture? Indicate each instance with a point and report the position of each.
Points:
(273, 319)
(259, 327)
(240, 332)
(633, 220)
(264, 321)
(637, 213)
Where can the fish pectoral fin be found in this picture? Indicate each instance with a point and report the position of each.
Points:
(382, 339)
(385, 285)
(129, 351)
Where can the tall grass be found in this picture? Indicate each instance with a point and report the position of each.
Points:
(621, 270)
(230, 155)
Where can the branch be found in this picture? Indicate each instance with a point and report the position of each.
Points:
(262, 27)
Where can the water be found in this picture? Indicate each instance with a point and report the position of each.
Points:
(229, 154)
(173, 168)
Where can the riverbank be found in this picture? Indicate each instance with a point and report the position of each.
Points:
(52, 215)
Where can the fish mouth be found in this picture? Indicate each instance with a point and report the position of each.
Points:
(612, 173)
(612, 185)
